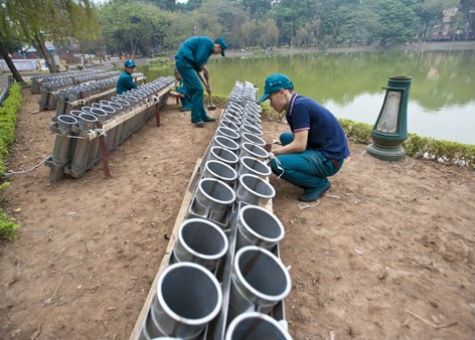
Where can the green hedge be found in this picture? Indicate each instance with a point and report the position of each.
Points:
(8, 114)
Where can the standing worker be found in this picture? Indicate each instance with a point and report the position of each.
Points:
(125, 81)
(191, 59)
(317, 145)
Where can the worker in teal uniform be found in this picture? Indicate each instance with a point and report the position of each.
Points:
(125, 81)
(315, 148)
(191, 60)
(181, 93)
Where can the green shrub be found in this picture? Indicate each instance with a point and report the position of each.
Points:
(7, 227)
(8, 114)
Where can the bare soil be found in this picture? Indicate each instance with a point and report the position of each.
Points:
(387, 254)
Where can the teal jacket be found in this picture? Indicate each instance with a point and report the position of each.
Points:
(195, 52)
(125, 83)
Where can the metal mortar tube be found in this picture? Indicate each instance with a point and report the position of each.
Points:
(220, 171)
(213, 198)
(259, 227)
(247, 137)
(259, 281)
(254, 190)
(254, 166)
(61, 102)
(251, 129)
(223, 155)
(61, 150)
(94, 151)
(187, 298)
(200, 241)
(228, 132)
(81, 153)
(253, 150)
(254, 325)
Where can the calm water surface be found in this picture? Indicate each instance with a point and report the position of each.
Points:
(441, 100)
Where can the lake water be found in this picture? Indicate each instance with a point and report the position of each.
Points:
(441, 100)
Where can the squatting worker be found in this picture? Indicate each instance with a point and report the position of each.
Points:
(191, 59)
(317, 145)
(125, 81)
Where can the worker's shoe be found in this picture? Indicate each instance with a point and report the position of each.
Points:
(209, 119)
(312, 194)
(200, 124)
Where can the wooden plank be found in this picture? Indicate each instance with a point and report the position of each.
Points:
(166, 258)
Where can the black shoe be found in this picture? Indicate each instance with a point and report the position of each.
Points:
(209, 119)
(200, 124)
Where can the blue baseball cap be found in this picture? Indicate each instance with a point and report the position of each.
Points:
(223, 44)
(129, 63)
(274, 83)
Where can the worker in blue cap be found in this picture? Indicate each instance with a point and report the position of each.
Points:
(191, 60)
(125, 81)
(316, 146)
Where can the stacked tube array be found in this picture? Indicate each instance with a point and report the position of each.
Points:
(77, 147)
(77, 86)
(224, 278)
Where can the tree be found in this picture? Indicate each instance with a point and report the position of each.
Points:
(291, 15)
(230, 17)
(258, 9)
(396, 21)
(135, 26)
(36, 19)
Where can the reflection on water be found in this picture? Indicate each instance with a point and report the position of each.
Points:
(441, 100)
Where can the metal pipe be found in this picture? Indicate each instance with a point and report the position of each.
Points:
(220, 171)
(200, 241)
(188, 297)
(213, 199)
(257, 226)
(259, 281)
(254, 190)
(251, 165)
(253, 150)
(253, 325)
(223, 155)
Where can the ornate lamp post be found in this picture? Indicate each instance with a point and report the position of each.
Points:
(390, 129)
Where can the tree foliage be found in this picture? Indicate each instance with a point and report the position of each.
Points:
(33, 22)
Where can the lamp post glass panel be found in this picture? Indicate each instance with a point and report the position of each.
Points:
(390, 129)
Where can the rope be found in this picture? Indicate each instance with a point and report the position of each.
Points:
(11, 172)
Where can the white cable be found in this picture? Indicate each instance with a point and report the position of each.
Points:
(11, 172)
(271, 157)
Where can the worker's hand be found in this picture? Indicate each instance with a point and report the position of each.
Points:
(268, 147)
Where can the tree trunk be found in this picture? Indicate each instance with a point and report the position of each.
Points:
(49, 61)
(10, 63)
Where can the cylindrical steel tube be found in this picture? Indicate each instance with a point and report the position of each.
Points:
(188, 297)
(259, 281)
(253, 325)
(200, 241)
(259, 227)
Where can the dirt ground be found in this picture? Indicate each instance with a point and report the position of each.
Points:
(387, 254)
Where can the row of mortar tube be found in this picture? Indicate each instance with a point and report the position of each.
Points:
(82, 85)
(224, 278)
(77, 146)
(39, 79)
